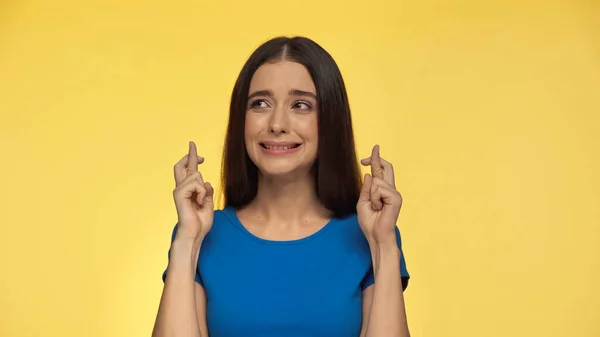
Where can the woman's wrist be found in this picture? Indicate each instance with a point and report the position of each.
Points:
(385, 245)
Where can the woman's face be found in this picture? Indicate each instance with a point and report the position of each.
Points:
(281, 119)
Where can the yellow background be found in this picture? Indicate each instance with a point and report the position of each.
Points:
(488, 110)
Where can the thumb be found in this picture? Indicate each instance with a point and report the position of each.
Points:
(365, 191)
(208, 198)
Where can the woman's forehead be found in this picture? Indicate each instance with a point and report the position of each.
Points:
(284, 75)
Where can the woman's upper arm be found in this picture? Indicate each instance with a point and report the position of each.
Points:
(200, 297)
(367, 298)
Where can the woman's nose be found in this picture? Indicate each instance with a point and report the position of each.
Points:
(279, 122)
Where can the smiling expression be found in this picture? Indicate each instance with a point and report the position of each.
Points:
(281, 130)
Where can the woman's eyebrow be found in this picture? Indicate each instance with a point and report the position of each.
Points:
(296, 92)
(293, 92)
(261, 93)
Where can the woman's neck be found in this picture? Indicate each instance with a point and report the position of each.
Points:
(281, 199)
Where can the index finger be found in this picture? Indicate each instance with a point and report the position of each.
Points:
(180, 168)
(388, 170)
(376, 167)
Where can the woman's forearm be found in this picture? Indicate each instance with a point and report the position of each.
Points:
(388, 314)
(177, 311)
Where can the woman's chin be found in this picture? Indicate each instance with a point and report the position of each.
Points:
(282, 171)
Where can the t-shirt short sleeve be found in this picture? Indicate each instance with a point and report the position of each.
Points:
(164, 275)
(369, 278)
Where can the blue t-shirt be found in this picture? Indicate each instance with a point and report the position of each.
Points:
(306, 287)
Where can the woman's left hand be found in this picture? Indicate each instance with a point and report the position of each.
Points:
(379, 203)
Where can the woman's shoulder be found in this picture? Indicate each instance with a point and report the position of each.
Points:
(223, 218)
(346, 231)
(347, 223)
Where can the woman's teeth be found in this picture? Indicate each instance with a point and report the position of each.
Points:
(279, 147)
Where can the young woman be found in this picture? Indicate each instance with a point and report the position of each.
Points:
(302, 247)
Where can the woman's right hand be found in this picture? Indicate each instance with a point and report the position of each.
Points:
(193, 197)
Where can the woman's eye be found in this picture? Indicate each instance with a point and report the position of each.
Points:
(259, 104)
(302, 106)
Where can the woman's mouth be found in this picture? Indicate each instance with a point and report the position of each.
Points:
(274, 148)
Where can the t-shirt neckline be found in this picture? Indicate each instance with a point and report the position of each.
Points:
(231, 214)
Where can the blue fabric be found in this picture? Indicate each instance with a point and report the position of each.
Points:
(307, 287)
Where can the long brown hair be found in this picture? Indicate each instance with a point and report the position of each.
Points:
(337, 174)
